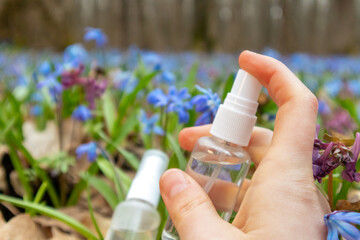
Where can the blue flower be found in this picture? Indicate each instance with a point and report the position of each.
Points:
(148, 124)
(125, 81)
(323, 107)
(152, 60)
(333, 87)
(54, 87)
(340, 222)
(207, 103)
(354, 86)
(179, 102)
(36, 110)
(74, 55)
(157, 98)
(89, 149)
(45, 68)
(174, 101)
(81, 113)
(97, 35)
(167, 77)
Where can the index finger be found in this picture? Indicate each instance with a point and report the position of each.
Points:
(295, 122)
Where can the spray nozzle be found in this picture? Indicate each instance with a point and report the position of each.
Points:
(246, 86)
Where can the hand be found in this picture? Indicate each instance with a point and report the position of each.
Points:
(281, 201)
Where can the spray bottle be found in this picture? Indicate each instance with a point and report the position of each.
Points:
(137, 218)
(219, 163)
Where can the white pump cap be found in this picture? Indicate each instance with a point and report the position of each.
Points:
(145, 185)
(236, 118)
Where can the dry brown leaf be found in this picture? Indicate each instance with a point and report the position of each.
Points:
(3, 185)
(79, 213)
(59, 235)
(348, 206)
(16, 184)
(21, 227)
(44, 143)
(2, 220)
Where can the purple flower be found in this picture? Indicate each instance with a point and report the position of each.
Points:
(94, 89)
(333, 155)
(89, 149)
(72, 76)
(97, 35)
(81, 113)
(208, 104)
(341, 122)
(148, 124)
(341, 222)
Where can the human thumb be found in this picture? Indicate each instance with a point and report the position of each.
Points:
(190, 208)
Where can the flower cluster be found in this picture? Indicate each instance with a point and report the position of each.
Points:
(175, 101)
(207, 104)
(328, 156)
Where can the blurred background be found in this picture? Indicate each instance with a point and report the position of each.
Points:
(313, 26)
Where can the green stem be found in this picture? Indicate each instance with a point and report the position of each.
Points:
(91, 210)
(20, 171)
(330, 190)
(40, 172)
(52, 213)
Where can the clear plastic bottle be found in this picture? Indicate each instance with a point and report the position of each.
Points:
(219, 163)
(137, 217)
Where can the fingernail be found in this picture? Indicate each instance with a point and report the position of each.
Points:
(173, 182)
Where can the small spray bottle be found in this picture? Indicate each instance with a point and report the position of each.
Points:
(137, 218)
(219, 163)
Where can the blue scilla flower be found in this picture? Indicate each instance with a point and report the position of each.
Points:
(340, 222)
(97, 35)
(354, 86)
(54, 87)
(207, 103)
(75, 54)
(152, 60)
(89, 149)
(174, 101)
(333, 87)
(45, 68)
(167, 77)
(81, 113)
(179, 102)
(148, 123)
(157, 98)
(125, 81)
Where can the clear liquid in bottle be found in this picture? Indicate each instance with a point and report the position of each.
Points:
(220, 168)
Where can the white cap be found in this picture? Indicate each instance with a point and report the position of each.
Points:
(145, 185)
(236, 118)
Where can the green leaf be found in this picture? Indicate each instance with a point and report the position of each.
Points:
(343, 191)
(190, 82)
(50, 212)
(174, 145)
(109, 113)
(228, 85)
(125, 128)
(129, 157)
(104, 189)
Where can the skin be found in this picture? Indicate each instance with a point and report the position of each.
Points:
(281, 200)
